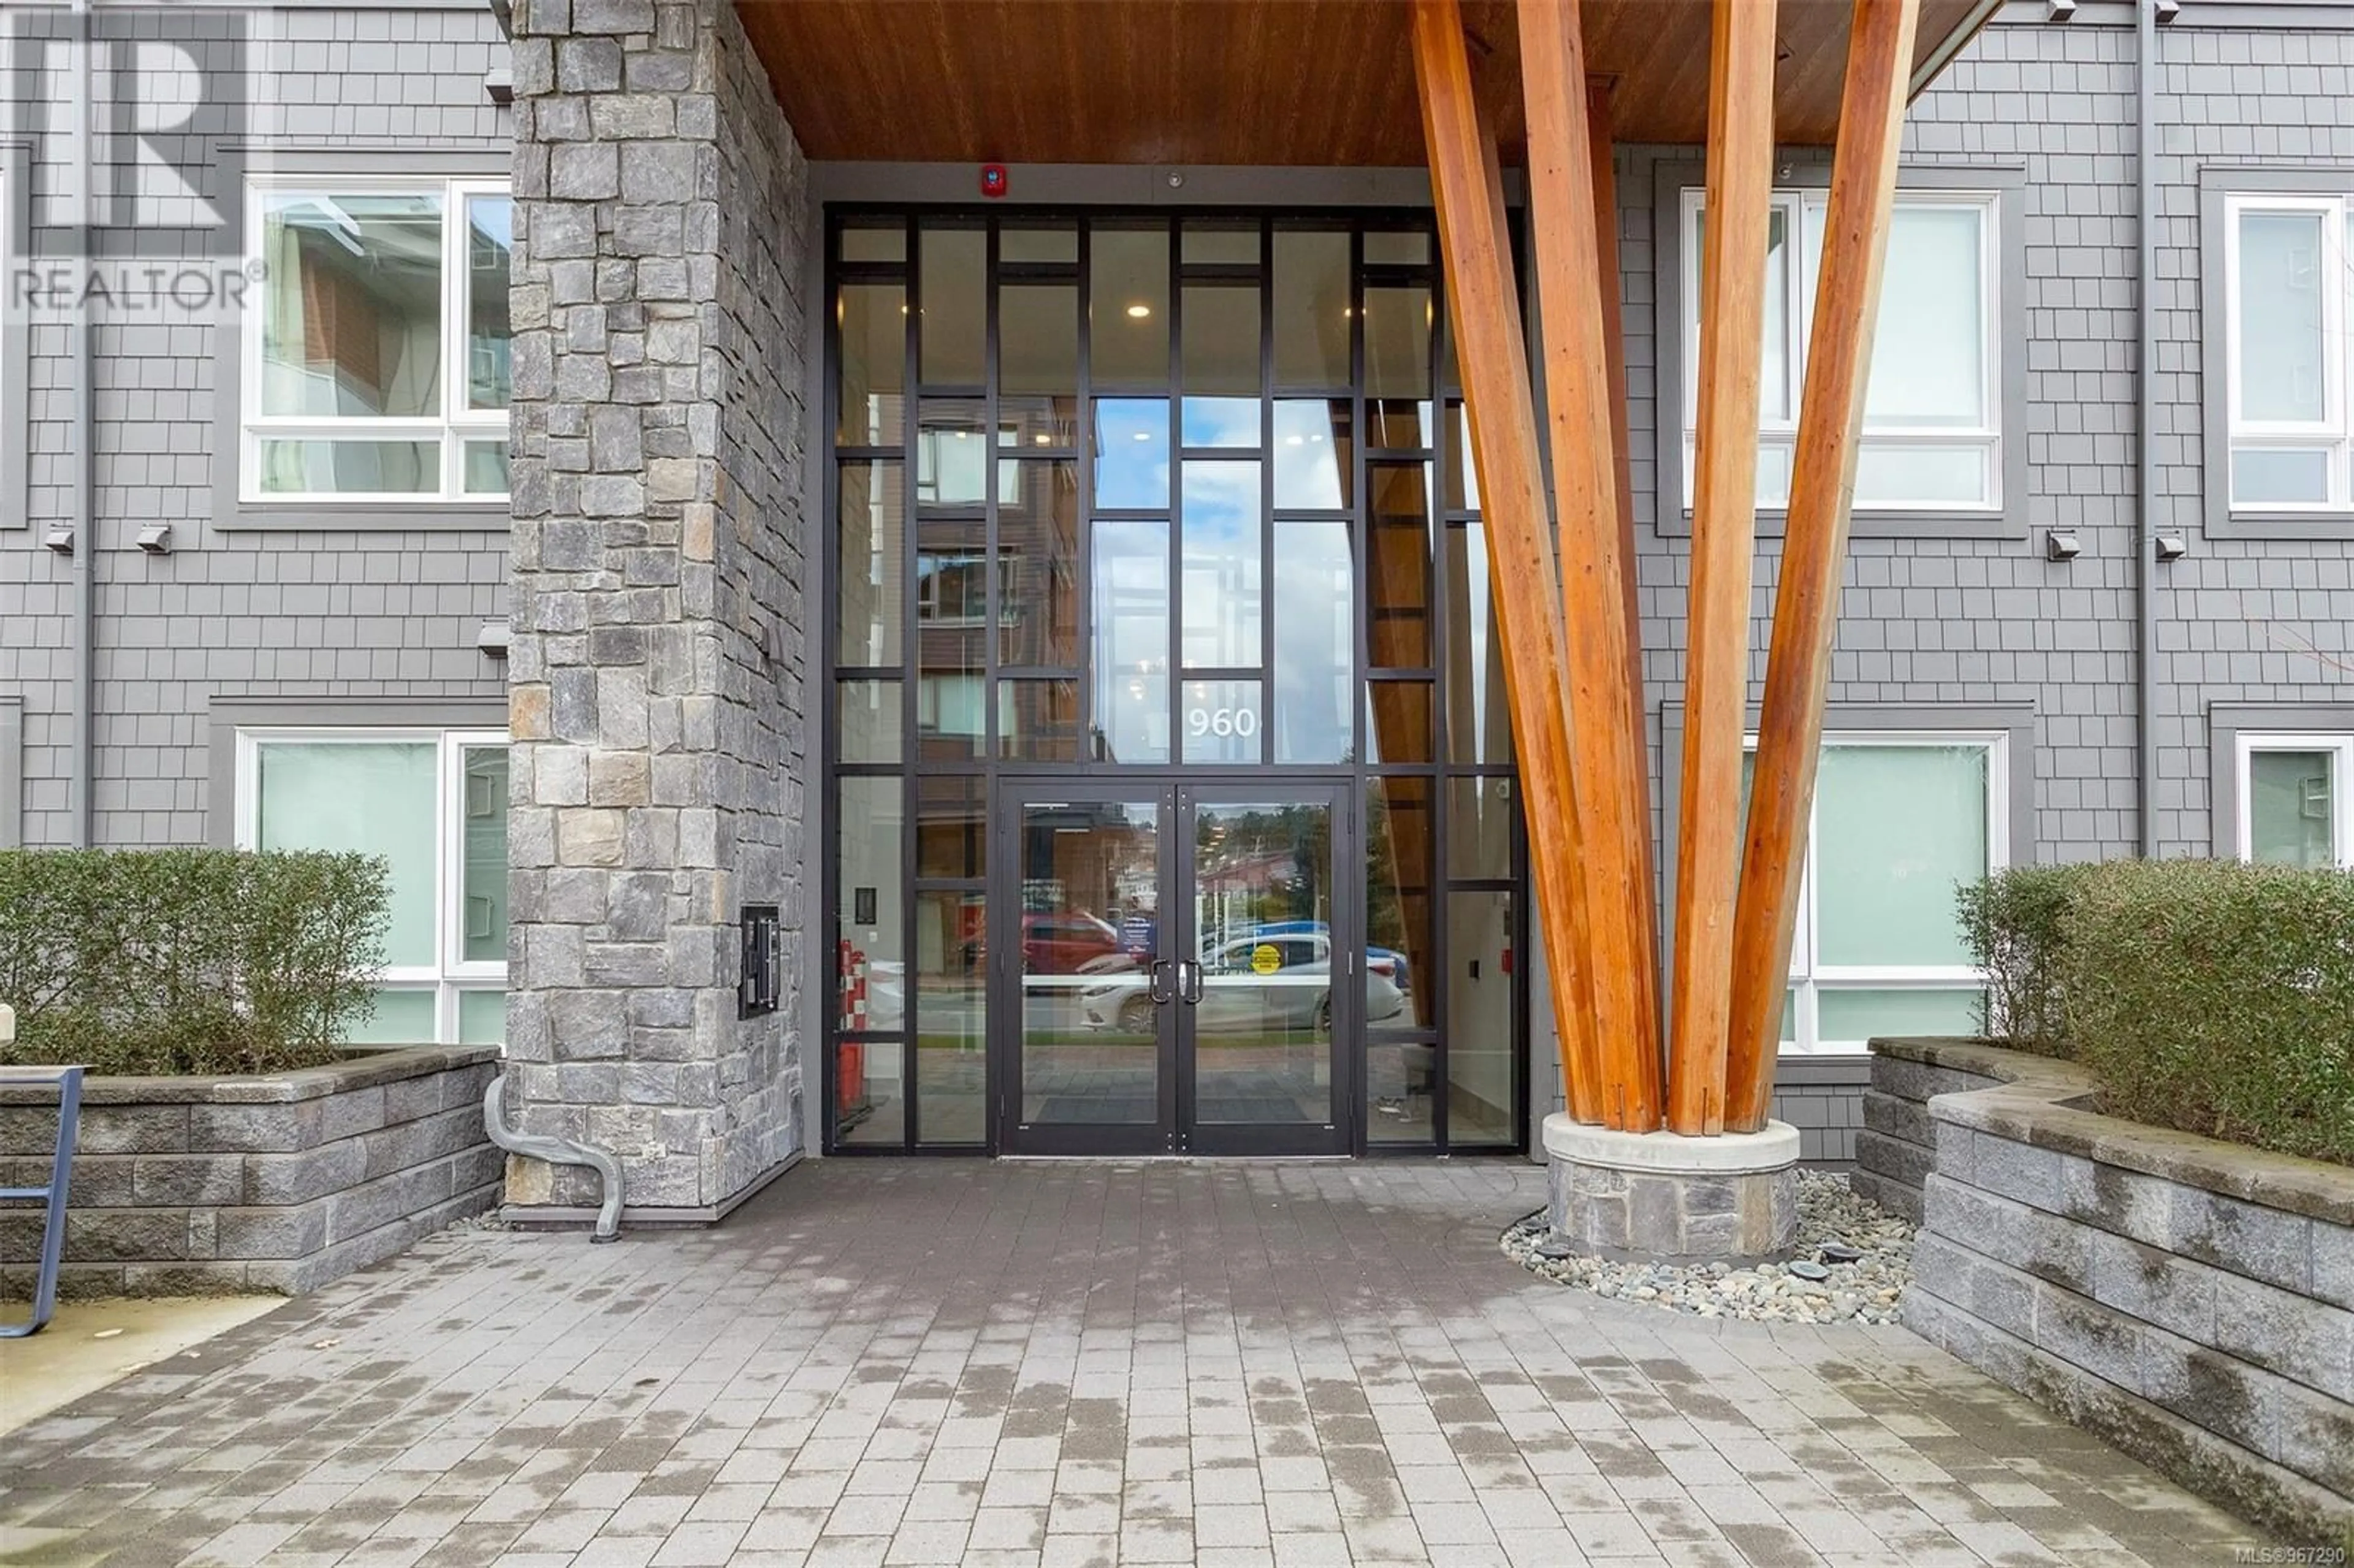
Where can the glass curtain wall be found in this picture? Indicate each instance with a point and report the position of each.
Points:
(1130, 495)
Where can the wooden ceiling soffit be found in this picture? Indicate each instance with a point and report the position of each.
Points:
(1303, 83)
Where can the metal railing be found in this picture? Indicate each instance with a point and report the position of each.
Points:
(68, 1081)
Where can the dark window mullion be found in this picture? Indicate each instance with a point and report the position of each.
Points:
(911, 656)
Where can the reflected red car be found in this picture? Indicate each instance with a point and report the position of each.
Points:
(1063, 942)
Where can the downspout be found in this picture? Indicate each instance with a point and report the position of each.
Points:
(2146, 426)
(78, 813)
(558, 1152)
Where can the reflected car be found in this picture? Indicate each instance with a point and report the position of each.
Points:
(1386, 961)
(1238, 997)
(1061, 942)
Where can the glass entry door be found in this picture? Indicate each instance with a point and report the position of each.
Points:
(1183, 972)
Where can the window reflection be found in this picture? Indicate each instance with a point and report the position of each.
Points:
(1131, 642)
(1400, 861)
(1315, 456)
(951, 1009)
(951, 822)
(1038, 544)
(1315, 632)
(1311, 309)
(871, 533)
(1399, 716)
(1038, 721)
(1220, 547)
(1398, 342)
(952, 342)
(1128, 312)
(1220, 340)
(872, 321)
(1478, 720)
(1132, 453)
(1483, 1068)
(951, 458)
(1398, 589)
(1038, 340)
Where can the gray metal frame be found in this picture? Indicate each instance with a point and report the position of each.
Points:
(52, 1192)
(1670, 517)
(1352, 775)
(230, 510)
(2216, 182)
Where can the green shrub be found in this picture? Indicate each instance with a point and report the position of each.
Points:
(2012, 924)
(2216, 996)
(187, 960)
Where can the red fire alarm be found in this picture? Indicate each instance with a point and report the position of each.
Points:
(993, 179)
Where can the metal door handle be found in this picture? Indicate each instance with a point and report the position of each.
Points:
(1189, 982)
(1152, 987)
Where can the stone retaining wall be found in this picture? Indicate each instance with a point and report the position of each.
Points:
(1895, 1149)
(2188, 1300)
(275, 1183)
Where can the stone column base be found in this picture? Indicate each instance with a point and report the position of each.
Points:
(1644, 1195)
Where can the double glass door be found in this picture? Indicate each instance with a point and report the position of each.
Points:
(1183, 974)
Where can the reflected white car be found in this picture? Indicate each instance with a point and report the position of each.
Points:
(1296, 995)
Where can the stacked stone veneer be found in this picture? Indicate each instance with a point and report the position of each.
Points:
(657, 661)
(2190, 1301)
(190, 1186)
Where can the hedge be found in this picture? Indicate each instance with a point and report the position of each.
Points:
(187, 960)
(2012, 922)
(2212, 996)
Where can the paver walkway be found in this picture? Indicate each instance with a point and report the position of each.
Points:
(919, 1362)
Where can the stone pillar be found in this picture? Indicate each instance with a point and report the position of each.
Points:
(657, 667)
(1657, 1195)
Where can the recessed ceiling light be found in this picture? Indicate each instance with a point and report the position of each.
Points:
(1139, 310)
(1043, 439)
(1295, 440)
(1144, 435)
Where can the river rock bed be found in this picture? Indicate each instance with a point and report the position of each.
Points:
(1830, 1214)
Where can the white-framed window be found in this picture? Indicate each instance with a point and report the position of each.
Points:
(1931, 419)
(375, 359)
(1901, 819)
(2296, 800)
(2286, 285)
(433, 803)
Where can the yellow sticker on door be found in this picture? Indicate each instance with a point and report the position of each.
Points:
(1265, 959)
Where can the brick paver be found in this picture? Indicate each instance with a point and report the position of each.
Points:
(1058, 1364)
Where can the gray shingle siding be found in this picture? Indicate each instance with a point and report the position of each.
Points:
(324, 613)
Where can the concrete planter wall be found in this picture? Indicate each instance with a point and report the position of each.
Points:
(2189, 1301)
(191, 1186)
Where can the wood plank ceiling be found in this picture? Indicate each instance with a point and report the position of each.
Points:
(1195, 82)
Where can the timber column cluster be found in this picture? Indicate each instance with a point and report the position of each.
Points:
(1666, 1148)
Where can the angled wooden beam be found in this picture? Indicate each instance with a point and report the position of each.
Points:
(1813, 552)
(1600, 136)
(1724, 520)
(1605, 734)
(1467, 188)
